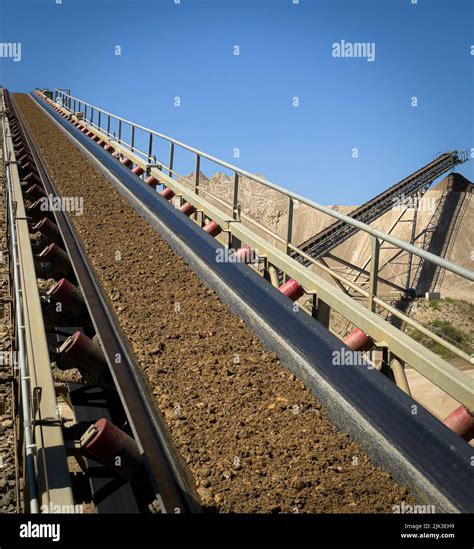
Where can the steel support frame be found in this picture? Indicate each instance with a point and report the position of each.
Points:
(54, 484)
(438, 371)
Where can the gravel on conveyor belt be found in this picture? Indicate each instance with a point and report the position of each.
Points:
(254, 437)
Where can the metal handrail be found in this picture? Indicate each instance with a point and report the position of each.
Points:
(21, 360)
(233, 226)
(441, 262)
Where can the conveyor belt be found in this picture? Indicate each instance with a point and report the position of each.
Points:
(419, 450)
(165, 468)
(338, 232)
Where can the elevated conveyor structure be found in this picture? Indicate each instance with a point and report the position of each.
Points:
(419, 181)
(353, 397)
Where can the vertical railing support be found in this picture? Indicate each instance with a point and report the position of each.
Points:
(289, 225)
(374, 272)
(150, 147)
(235, 197)
(196, 175)
(170, 163)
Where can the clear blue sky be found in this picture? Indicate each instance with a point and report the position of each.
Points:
(245, 101)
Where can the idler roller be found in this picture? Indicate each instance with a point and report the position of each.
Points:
(80, 350)
(114, 448)
(358, 341)
(187, 208)
(36, 211)
(31, 179)
(69, 296)
(57, 257)
(243, 254)
(212, 228)
(35, 192)
(152, 181)
(292, 289)
(168, 194)
(24, 158)
(109, 148)
(461, 421)
(49, 229)
(23, 150)
(138, 170)
(126, 162)
(29, 167)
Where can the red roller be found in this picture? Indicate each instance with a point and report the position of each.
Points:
(138, 170)
(115, 449)
(22, 151)
(243, 254)
(30, 180)
(292, 289)
(212, 228)
(126, 162)
(57, 257)
(24, 158)
(109, 148)
(167, 193)
(70, 296)
(49, 229)
(35, 192)
(358, 341)
(152, 181)
(95, 137)
(82, 351)
(28, 167)
(101, 142)
(461, 421)
(187, 208)
(36, 211)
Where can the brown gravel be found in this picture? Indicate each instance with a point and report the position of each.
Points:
(255, 438)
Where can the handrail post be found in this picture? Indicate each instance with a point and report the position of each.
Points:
(150, 147)
(235, 198)
(170, 164)
(196, 175)
(120, 131)
(374, 272)
(289, 225)
(132, 140)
